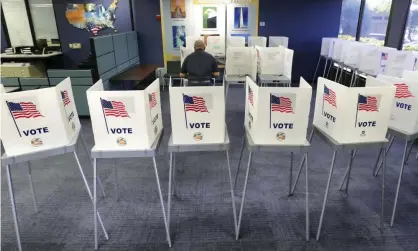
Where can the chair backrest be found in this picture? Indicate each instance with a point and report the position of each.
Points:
(173, 67)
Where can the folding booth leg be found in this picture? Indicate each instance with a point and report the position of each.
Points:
(325, 67)
(326, 195)
(12, 200)
(347, 174)
(115, 170)
(329, 68)
(382, 211)
(88, 153)
(31, 187)
(378, 164)
(170, 172)
(244, 191)
(336, 73)
(173, 157)
(162, 201)
(352, 77)
(232, 192)
(307, 196)
(301, 166)
(96, 244)
(316, 70)
(89, 192)
(399, 182)
(291, 173)
(409, 152)
(239, 161)
(416, 157)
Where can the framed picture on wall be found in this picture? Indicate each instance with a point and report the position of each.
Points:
(178, 8)
(179, 36)
(210, 16)
(241, 17)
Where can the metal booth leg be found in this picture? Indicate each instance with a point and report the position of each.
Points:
(329, 68)
(31, 187)
(162, 201)
(316, 70)
(12, 201)
(89, 192)
(347, 174)
(325, 67)
(382, 213)
(239, 162)
(378, 164)
(307, 196)
(353, 72)
(88, 154)
(326, 195)
(174, 174)
(409, 152)
(291, 173)
(301, 165)
(336, 73)
(232, 193)
(244, 191)
(96, 244)
(399, 182)
(170, 172)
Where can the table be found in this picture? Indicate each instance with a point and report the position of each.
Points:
(30, 56)
(177, 148)
(97, 153)
(352, 147)
(252, 147)
(265, 79)
(139, 76)
(408, 138)
(12, 160)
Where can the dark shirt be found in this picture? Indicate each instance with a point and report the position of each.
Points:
(199, 64)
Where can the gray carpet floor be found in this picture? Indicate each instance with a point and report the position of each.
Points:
(201, 212)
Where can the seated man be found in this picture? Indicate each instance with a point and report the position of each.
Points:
(199, 66)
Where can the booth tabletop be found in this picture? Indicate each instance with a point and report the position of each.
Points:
(199, 147)
(137, 73)
(272, 77)
(235, 78)
(336, 146)
(253, 147)
(129, 153)
(403, 135)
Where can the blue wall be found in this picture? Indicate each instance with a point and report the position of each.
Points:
(305, 22)
(70, 34)
(149, 31)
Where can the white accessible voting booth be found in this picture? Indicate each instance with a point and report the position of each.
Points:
(325, 46)
(236, 41)
(277, 115)
(197, 115)
(257, 41)
(399, 61)
(354, 115)
(373, 59)
(351, 54)
(274, 61)
(215, 45)
(404, 110)
(278, 41)
(38, 120)
(241, 61)
(125, 120)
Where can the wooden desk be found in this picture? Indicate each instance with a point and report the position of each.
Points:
(30, 56)
(137, 77)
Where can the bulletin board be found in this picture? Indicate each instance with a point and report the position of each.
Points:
(182, 18)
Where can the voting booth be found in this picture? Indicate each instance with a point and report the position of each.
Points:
(184, 52)
(38, 120)
(215, 45)
(354, 115)
(241, 61)
(274, 61)
(325, 46)
(257, 41)
(190, 40)
(197, 114)
(125, 120)
(404, 110)
(275, 41)
(351, 54)
(236, 41)
(277, 115)
(399, 61)
(373, 59)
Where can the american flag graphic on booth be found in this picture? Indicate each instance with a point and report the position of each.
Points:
(330, 96)
(250, 96)
(114, 108)
(23, 110)
(384, 56)
(152, 100)
(402, 91)
(367, 103)
(194, 104)
(281, 104)
(65, 98)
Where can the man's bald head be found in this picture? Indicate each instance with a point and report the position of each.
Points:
(199, 45)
